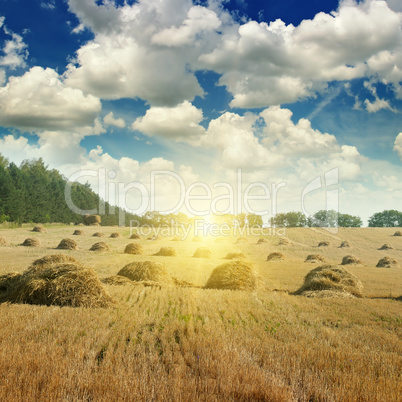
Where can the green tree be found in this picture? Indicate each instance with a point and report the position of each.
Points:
(254, 220)
(387, 218)
(349, 221)
(325, 218)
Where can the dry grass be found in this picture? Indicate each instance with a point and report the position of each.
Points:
(3, 241)
(315, 258)
(241, 240)
(198, 239)
(234, 275)
(237, 255)
(276, 256)
(331, 278)
(134, 248)
(67, 244)
(387, 262)
(100, 246)
(31, 242)
(350, 260)
(146, 271)
(167, 252)
(116, 280)
(202, 252)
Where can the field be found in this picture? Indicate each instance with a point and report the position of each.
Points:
(188, 343)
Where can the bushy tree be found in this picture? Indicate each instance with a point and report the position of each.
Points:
(388, 218)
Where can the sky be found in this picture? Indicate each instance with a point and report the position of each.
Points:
(209, 106)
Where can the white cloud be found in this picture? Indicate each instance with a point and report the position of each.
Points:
(40, 100)
(110, 120)
(398, 145)
(378, 104)
(179, 122)
(14, 50)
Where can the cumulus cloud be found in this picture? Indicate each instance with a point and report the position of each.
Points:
(40, 100)
(14, 49)
(110, 120)
(179, 122)
(398, 145)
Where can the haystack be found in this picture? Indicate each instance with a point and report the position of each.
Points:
(3, 241)
(101, 246)
(241, 240)
(31, 242)
(146, 271)
(284, 242)
(153, 238)
(63, 284)
(134, 248)
(387, 262)
(167, 252)
(350, 260)
(330, 278)
(78, 233)
(234, 275)
(135, 236)
(345, 244)
(92, 220)
(202, 252)
(8, 281)
(386, 246)
(315, 258)
(261, 241)
(98, 234)
(235, 256)
(115, 235)
(398, 233)
(68, 244)
(275, 256)
(53, 259)
(324, 243)
(39, 229)
(116, 280)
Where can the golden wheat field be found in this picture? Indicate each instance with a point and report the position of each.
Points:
(185, 343)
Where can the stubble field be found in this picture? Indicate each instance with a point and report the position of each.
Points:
(189, 343)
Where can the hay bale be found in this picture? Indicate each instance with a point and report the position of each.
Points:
(115, 235)
(116, 280)
(398, 233)
(234, 275)
(98, 234)
(146, 271)
(101, 246)
(387, 262)
(331, 278)
(261, 241)
(39, 229)
(8, 281)
(284, 242)
(241, 240)
(235, 256)
(328, 294)
(350, 260)
(324, 243)
(275, 256)
(53, 259)
(31, 242)
(78, 232)
(202, 252)
(92, 220)
(386, 246)
(315, 258)
(167, 252)
(153, 238)
(134, 248)
(64, 284)
(198, 238)
(135, 236)
(3, 241)
(68, 244)
(345, 244)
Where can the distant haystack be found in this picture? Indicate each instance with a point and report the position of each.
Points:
(386, 246)
(31, 242)
(350, 260)
(68, 244)
(235, 256)
(398, 233)
(101, 246)
(115, 235)
(324, 243)
(39, 229)
(135, 236)
(63, 284)
(134, 248)
(284, 242)
(52, 259)
(345, 244)
(167, 252)
(334, 280)
(234, 275)
(276, 256)
(202, 252)
(241, 240)
(261, 241)
(146, 271)
(315, 258)
(92, 220)
(3, 241)
(153, 238)
(387, 262)
(98, 234)
(78, 232)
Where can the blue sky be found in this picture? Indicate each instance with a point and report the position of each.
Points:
(286, 91)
